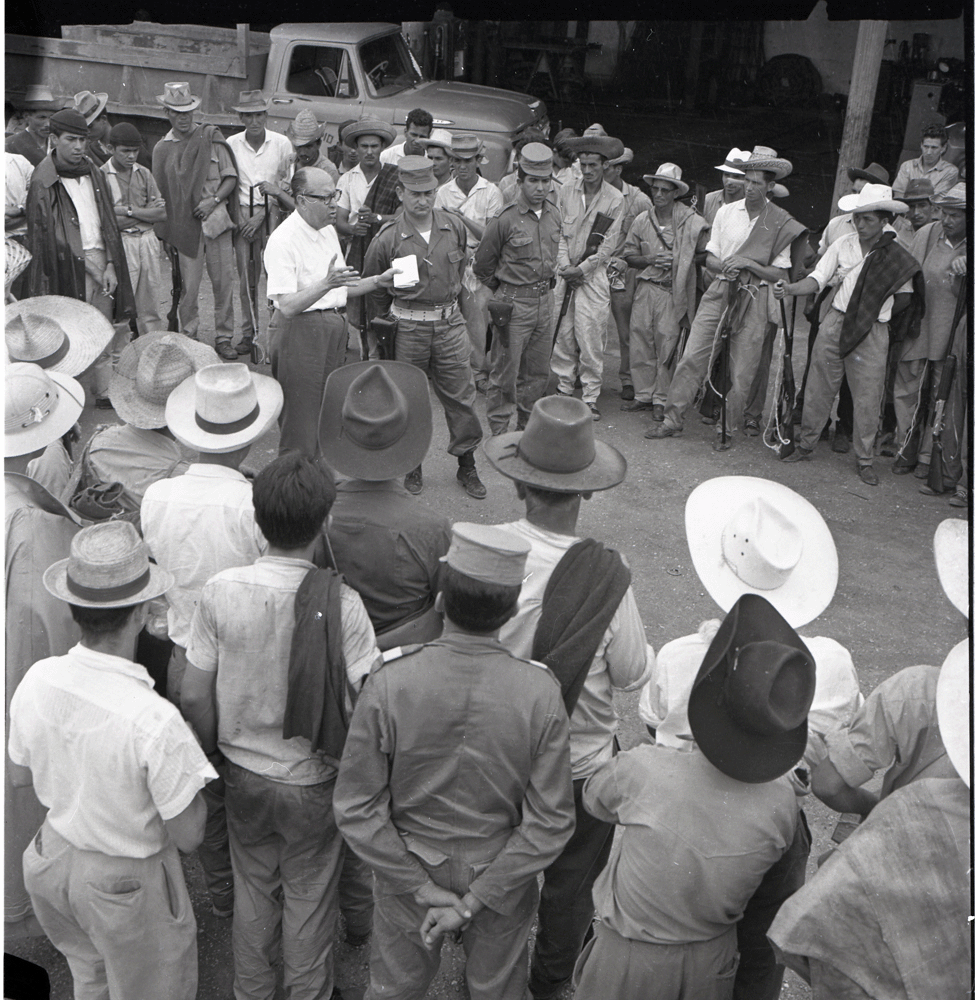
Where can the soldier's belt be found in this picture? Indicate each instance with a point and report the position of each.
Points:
(533, 291)
(429, 312)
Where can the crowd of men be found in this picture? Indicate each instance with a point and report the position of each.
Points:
(349, 706)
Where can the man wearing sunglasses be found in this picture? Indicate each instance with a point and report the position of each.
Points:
(309, 284)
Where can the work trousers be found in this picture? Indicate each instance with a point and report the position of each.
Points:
(106, 362)
(287, 855)
(244, 249)
(621, 303)
(865, 367)
(125, 925)
(653, 334)
(496, 946)
(911, 417)
(519, 362)
(218, 257)
(566, 907)
(304, 351)
(143, 254)
(618, 967)
(745, 351)
(474, 297)
(757, 393)
(443, 350)
(581, 341)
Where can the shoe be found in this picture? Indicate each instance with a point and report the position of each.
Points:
(596, 415)
(103, 403)
(901, 468)
(658, 412)
(222, 914)
(799, 455)
(921, 470)
(226, 350)
(636, 404)
(718, 445)
(867, 475)
(468, 478)
(841, 443)
(244, 347)
(356, 940)
(960, 497)
(559, 392)
(663, 431)
(709, 420)
(626, 393)
(751, 428)
(413, 482)
(930, 492)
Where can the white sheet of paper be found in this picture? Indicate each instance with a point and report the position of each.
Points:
(409, 275)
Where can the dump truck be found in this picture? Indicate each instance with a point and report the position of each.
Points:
(340, 71)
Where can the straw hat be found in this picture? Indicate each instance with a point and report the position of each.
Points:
(148, 371)
(15, 263)
(89, 104)
(369, 126)
(376, 419)
(951, 560)
(749, 535)
(874, 174)
(872, 198)
(438, 137)
(765, 158)
(595, 129)
(670, 173)
(952, 701)
(57, 333)
(466, 146)
(222, 408)
(557, 450)
(305, 129)
(750, 703)
(38, 407)
(177, 97)
(602, 145)
(624, 158)
(251, 101)
(37, 97)
(734, 155)
(957, 197)
(108, 568)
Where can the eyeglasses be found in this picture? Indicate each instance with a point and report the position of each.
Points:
(325, 199)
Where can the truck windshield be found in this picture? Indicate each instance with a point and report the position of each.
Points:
(389, 66)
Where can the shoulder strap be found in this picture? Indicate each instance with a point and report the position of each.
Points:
(656, 229)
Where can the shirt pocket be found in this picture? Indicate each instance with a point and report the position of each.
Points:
(521, 245)
(455, 256)
(430, 857)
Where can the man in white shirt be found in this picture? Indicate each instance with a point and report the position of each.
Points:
(419, 124)
(437, 151)
(475, 200)
(17, 179)
(309, 284)
(263, 158)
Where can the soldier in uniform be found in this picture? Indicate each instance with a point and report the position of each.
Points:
(517, 260)
(430, 330)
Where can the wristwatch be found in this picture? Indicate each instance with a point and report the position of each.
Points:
(128, 212)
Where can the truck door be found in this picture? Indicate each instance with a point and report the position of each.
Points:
(319, 78)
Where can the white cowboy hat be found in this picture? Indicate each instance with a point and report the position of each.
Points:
(755, 536)
(735, 154)
(764, 158)
(108, 568)
(872, 198)
(39, 406)
(951, 560)
(670, 173)
(222, 408)
(57, 333)
(952, 700)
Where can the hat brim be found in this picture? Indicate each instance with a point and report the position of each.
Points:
(601, 145)
(386, 134)
(944, 202)
(855, 174)
(99, 108)
(88, 331)
(952, 699)
(682, 188)
(195, 102)
(181, 417)
(124, 395)
(56, 583)
(910, 198)
(39, 105)
(811, 584)
(725, 169)
(781, 168)
(951, 561)
(848, 203)
(736, 752)
(305, 140)
(344, 455)
(608, 468)
(244, 109)
(71, 401)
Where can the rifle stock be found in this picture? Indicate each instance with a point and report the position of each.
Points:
(600, 226)
(936, 469)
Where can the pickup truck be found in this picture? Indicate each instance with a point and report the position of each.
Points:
(338, 70)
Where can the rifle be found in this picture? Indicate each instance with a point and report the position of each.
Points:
(936, 480)
(600, 227)
(785, 404)
(253, 277)
(172, 318)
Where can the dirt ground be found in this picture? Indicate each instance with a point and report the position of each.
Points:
(888, 610)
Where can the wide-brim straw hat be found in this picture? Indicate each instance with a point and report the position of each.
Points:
(251, 101)
(57, 333)
(222, 408)
(108, 567)
(39, 406)
(765, 158)
(734, 155)
(602, 145)
(376, 419)
(89, 104)
(789, 557)
(670, 173)
(305, 128)
(557, 450)
(957, 197)
(951, 560)
(953, 698)
(369, 126)
(873, 174)
(177, 97)
(149, 369)
(872, 198)
(16, 259)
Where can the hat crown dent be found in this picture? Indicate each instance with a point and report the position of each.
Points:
(559, 436)
(225, 393)
(30, 396)
(761, 545)
(34, 337)
(375, 413)
(769, 688)
(107, 555)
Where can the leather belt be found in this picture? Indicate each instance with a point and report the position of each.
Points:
(533, 291)
(423, 314)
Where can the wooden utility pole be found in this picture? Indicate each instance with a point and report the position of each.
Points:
(859, 107)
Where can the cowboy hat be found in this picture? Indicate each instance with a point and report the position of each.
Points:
(957, 197)
(57, 333)
(951, 560)
(222, 408)
(765, 158)
(16, 259)
(872, 198)
(778, 191)
(89, 104)
(177, 97)
(602, 145)
(108, 567)
(735, 154)
(39, 406)
(557, 450)
(305, 129)
(624, 158)
(251, 101)
(918, 189)
(670, 173)
(369, 126)
(376, 419)
(37, 97)
(952, 700)
(750, 702)
(749, 535)
(149, 369)
(874, 174)
(438, 137)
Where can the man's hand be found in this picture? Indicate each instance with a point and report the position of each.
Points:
(109, 280)
(959, 266)
(121, 212)
(573, 276)
(206, 207)
(270, 189)
(386, 278)
(779, 289)
(663, 259)
(339, 275)
(735, 263)
(363, 221)
(252, 226)
(440, 920)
